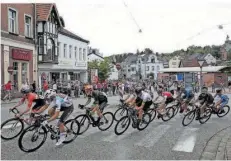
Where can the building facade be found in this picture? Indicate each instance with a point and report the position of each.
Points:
(95, 55)
(175, 62)
(18, 37)
(114, 75)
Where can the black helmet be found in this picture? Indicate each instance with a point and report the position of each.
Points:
(138, 90)
(218, 90)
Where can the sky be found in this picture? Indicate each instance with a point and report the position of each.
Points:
(167, 25)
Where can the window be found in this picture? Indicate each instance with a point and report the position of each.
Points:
(50, 49)
(70, 51)
(158, 68)
(15, 74)
(84, 54)
(28, 26)
(24, 72)
(64, 50)
(75, 52)
(153, 68)
(12, 21)
(80, 54)
(133, 69)
(153, 60)
(58, 48)
(15, 65)
(147, 68)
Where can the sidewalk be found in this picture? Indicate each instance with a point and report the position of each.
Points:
(219, 146)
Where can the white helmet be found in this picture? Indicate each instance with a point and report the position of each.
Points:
(49, 93)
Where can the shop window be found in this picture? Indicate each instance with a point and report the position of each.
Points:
(24, 72)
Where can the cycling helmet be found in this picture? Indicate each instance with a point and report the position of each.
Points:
(88, 87)
(204, 89)
(138, 90)
(219, 90)
(50, 93)
(25, 90)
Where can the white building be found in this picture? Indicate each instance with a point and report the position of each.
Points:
(210, 59)
(114, 75)
(95, 55)
(72, 57)
(175, 62)
(142, 65)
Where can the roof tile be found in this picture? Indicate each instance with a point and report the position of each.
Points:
(43, 11)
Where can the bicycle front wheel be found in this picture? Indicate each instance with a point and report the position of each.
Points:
(206, 116)
(106, 121)
(123, 123)
(31, 135)
(169, 114)
(144, 122)
(152, 112)
(72, 128)
(84, 122)
(11, 128)
(120, 113)
(188, 118)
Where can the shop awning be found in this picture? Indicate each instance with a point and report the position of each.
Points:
(192, 69)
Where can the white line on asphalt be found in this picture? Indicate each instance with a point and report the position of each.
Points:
(186, 141)
(114, 138)
(90, 131)
(152, 137)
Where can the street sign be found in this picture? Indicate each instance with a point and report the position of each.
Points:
(10, 69)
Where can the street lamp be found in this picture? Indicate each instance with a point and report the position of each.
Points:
(201, 62)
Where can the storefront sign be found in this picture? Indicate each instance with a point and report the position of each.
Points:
(20, 54)
(80, 64)
(64, 62)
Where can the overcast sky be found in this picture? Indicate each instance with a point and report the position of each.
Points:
(167, 25)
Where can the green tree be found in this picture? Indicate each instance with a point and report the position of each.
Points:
(104, 68)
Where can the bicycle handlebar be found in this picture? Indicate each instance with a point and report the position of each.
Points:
(14, 110)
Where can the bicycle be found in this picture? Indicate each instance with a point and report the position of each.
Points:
(121, 111)
(14, 123)
(196, 111)
(40, 131)
(179, 105)
(219, 113)
(165, 117)
(132, 115)
(91, 121)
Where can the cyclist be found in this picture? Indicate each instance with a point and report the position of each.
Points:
(166, 98)
(187, 96)
(30, 97)
(57, 102)
(143, 102)
(7, 88)
(100, 101)
(224, 100)
(205, 99)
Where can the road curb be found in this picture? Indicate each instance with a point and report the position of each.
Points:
(215, 148)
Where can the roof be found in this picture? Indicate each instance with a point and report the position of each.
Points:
(193, 69)
(72, 35)
(130, 59)
(43, 11)
(96, 55)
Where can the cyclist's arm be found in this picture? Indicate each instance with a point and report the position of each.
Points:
(20, 103)
(57, 110)
(88, 101)
(28, 107)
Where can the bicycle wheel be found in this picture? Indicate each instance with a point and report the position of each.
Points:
(176, 109)
(169, 114)
(120, 113)
(14, 125)
(105, 120)
(124, 122)
(145, 121)
(225, 108)
(189, 116)
(206, 117)
(72, 128)
(152, 112)
(37, 133)
(84, 123)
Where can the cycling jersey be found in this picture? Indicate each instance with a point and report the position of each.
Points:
(60, 102)
(167, 94)
(188, 94)
(208, 98)
(145, 96)
(31, 97)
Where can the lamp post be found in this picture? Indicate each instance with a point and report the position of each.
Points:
(201, 62)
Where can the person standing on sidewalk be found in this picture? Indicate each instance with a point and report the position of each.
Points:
(7, 88)
(33, 87)
(229, 85)
(55, 87)
(213, 87)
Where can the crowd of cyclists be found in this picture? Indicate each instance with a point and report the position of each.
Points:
(140, 97)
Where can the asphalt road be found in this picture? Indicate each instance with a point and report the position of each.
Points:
(160, 140)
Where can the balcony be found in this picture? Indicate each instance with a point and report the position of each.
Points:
(48, 59)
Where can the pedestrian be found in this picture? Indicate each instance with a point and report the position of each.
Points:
(33, 87)
(55, 86)
(8, 88)
(213, 87)
(229, 85)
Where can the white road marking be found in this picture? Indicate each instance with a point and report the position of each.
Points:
(151, 138)
(186, 141)
(114, 138)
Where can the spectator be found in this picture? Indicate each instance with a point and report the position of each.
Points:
(33, 87)
(8, 88)
(45, 86)
(229, 85)
(213, 87)
(55, 86)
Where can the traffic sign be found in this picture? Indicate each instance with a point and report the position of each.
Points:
(10, 69)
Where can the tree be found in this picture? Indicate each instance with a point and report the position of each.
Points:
(104, 68)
